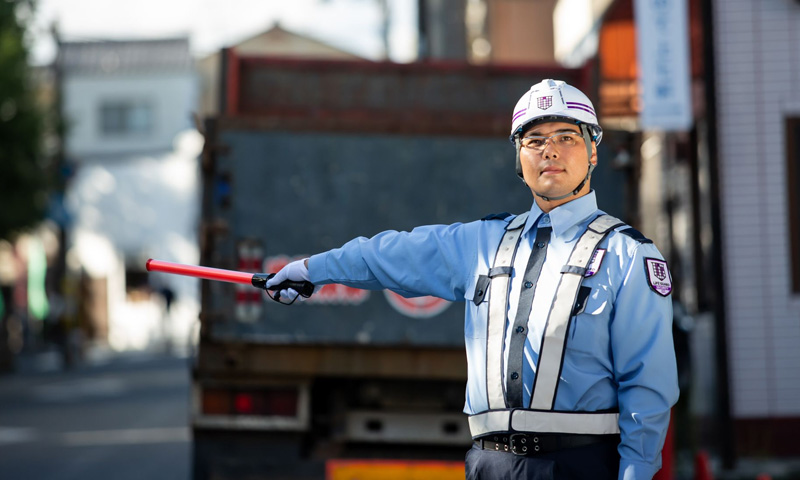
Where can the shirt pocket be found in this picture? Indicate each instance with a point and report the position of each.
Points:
(589, 324)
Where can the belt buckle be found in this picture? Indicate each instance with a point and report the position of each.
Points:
(522, 444)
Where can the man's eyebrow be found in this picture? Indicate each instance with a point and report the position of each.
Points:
(560, 130)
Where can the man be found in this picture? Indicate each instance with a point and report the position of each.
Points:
(572, 370)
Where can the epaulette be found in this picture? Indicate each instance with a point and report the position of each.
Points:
(496, 216)
(636, 235)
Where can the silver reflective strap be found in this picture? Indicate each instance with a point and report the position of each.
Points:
(498, 305)
(565, 422)
(583, 423)
(555, 335)
(489, 422)
(518, 221)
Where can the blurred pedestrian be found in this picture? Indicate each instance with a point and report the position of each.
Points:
(168, 295)
(571, 366)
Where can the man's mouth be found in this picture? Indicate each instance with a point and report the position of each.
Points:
(551, 170)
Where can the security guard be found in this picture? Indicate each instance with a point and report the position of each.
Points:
(572, 370)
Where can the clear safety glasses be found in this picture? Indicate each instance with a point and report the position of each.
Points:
(558, 140)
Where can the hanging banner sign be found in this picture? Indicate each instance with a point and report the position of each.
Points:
(662, 52)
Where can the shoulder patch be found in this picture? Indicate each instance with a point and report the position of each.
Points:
(658, 276)
(496, 216)
(636, 235)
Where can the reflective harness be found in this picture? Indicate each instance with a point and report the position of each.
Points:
(540, 416)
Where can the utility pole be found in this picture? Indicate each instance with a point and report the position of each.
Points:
(386, 17)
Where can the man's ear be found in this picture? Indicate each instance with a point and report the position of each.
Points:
(593, 160)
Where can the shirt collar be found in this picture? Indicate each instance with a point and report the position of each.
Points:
(565, 216)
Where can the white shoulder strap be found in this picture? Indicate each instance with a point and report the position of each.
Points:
(498, 305)
(551, 353)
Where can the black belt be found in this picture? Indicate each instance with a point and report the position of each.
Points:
(530, 444)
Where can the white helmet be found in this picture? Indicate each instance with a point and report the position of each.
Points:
(555, 101)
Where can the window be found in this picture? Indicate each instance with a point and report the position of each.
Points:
(125, 118)
(793, 185)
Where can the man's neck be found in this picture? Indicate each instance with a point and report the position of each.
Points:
(547, 206)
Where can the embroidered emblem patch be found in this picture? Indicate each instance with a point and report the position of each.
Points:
(658, 276)
(544, 102)
(594, 265)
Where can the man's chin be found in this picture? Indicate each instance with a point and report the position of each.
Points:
(551, 191)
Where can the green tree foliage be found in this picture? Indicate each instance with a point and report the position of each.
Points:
(23, 180)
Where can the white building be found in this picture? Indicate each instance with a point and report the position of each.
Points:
(130, 138)
(757, 47)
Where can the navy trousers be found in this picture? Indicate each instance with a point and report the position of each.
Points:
(599, 461)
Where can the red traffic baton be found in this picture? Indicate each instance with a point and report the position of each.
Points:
(258, 280)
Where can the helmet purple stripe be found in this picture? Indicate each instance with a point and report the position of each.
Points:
(576, 105)
(588, 110)
(519, 114)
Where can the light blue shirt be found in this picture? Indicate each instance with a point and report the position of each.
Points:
(620, 353)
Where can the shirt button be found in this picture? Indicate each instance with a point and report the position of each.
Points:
(528, 285)
(520, 329)
(514, 376)
(540, 244)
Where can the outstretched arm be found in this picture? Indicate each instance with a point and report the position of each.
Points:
(429, 260)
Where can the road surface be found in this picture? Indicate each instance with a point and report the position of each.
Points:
(125, 417)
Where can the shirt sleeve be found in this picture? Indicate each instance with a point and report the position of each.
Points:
(430, 260)
(644, 367)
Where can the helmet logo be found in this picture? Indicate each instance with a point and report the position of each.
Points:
(544, 102)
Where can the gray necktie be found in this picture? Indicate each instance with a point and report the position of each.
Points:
(519, 331)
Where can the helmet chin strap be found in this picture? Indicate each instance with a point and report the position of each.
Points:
(587, 140)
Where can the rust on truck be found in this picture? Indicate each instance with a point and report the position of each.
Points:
(379, 97)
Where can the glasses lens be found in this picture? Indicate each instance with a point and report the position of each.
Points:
(534, 142)
(566, 139)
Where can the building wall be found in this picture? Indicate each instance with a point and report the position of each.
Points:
(171, 97)
(125, 211)
(521, 32)
(757, 47)
(134, 195)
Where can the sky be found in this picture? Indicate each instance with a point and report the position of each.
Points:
(352, 25)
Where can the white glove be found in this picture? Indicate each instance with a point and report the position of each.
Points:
(295, 271)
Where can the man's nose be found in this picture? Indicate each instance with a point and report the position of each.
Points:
(548, 151)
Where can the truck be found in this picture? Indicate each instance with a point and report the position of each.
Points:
(303, 156)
